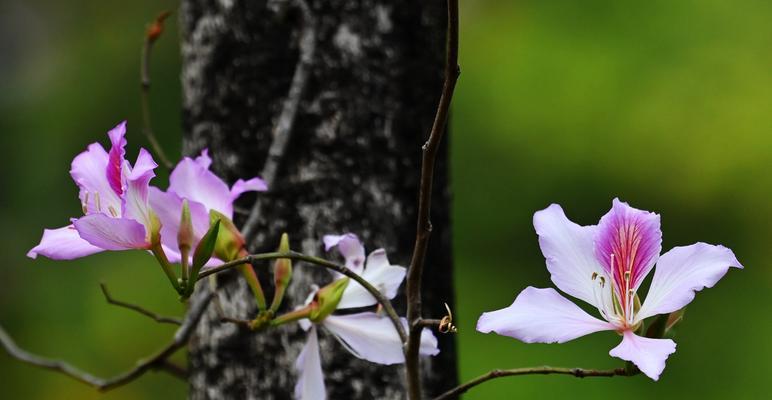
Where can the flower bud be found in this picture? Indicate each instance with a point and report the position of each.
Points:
(282, 273)
(158, 251)
(229, 241)
(185, 235)
(327, 299)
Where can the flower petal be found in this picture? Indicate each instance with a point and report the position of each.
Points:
(373, 338)
(192, 179)
(628, 240)
(62, 244)
(541, 316)
(378, 272)
(253, 185)
(135, 198)
(88, 170)
(683, 271)
(310, 385)
(168, 208)
(116, 157)
(349, 247)
(111, 233)
(570, 252)
(647, 354)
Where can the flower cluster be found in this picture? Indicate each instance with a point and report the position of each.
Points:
(121, 209)
(367, 335)
(604, 265)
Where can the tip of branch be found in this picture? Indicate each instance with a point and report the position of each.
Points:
(156, 27)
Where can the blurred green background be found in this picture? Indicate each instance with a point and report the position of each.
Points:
(665, 104)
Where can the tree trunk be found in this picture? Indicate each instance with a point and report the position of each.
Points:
(351, 165)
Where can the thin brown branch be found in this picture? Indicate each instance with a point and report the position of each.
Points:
(424, 225)
(153, 33)
(157, 318)
(500, 373)
(293, 255)
(283, 130)
(157, 361)
(173, 369)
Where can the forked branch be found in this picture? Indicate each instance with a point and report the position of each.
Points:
(424, 225)
(157, 361)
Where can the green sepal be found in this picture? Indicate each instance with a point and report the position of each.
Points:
(327, 299)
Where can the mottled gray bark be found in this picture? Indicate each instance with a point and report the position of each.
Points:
(352, 165)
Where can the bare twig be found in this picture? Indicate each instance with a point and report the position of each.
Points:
(153, 32)
(173, 369)
(159, 360)
(283, 129)
(500, 373)
(158, 318)
(293, 255)
(424, 225)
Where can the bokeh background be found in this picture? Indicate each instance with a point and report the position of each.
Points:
(666, 104)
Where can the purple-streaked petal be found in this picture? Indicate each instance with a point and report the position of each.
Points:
(647, 354)
(112, 233)
(62, 244)
(541, 316)
(116, 157)
(570, 252)
(252, 185)
(310, 385)
(192, 180)
(349, 247)
(135, 198)
(683, 271)
(628, 242)
(372, 337)
(378, 272)
(88, 170)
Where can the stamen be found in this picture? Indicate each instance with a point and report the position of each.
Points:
(594, 276)
(85, 204)
(112, 211)
(602, 282)
(98, 203)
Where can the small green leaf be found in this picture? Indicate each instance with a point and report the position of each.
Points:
(205, 249)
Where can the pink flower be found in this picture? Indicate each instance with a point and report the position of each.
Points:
(205, 191)
(114, 197)
(367, 335)
(604, 265)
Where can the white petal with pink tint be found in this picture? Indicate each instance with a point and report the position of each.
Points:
(63, 244)
(251, 185)
(192, 180)
(683, 271)
(310, 384)
(378, 272)
(349, 247)
(647, 354)
(89, 171)
(135, 198)
(112, 233)
(570, 253)
(373, 337)
(541, 316)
